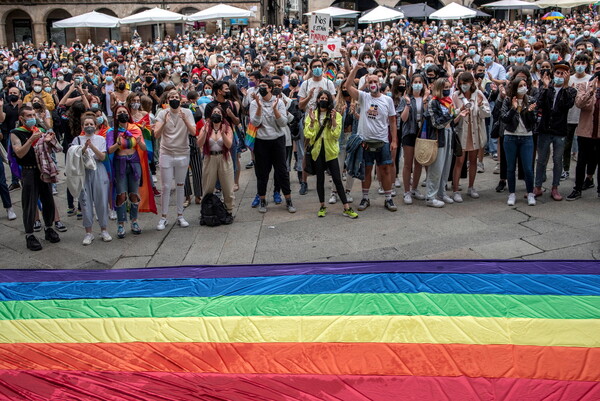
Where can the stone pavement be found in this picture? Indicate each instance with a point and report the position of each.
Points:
(476, 229)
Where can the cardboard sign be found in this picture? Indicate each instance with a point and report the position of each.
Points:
(318, 28)
(333, 47)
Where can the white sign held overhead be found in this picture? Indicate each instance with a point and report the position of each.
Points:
(333, 47)
(318, 28)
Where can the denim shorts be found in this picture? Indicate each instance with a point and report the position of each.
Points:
(381, 157)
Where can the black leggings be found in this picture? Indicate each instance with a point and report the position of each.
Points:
(271, 154)
(334, 168)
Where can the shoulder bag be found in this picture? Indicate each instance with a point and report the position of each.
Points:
(426, 149)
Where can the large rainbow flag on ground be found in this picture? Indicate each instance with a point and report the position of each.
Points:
(422, 330)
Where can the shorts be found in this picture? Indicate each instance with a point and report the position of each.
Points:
(409, 140)
(382, 157)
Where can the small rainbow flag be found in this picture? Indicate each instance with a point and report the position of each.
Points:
(330, 74)
(422, 330)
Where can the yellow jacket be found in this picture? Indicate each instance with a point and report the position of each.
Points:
(46, 97)
(329, 137)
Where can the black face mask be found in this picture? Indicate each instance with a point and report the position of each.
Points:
(174, 103)
(401, 89)
(263, 91)
(468, 67)
(446, 92)
(345, 93)
(123, 117)
(481, 75)
(216, 118)
(276, 91)
(195, 81)
(149, 80)
(185, 80)
(324, 104)
(37, 106)
(545, 71)
(121, 87)
(13, 98)
(293, 82)
(227, 95)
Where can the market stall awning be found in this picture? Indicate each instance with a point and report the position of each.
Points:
(380, 14)
(93, 19)
(153, 16)
(220, 11)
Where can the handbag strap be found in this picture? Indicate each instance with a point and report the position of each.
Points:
(320, 130)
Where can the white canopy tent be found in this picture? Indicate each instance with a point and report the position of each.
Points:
(453, 11)
(563, 3)
(153, 16)
(511, 5)
(335, 12)
(380, 14)
(88, 20)
(220, 11)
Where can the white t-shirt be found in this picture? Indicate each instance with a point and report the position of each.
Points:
(98, 141)
(307, 85)
(374, 116)
(575, 112)
(174, 139)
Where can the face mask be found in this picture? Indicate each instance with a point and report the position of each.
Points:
(446, 92)
(99, 120)
(29, 57)
(522, 90)
(94, 105)
(465, 88)
(263, 91)
(174, 103)
(521, 60)
(37, 106)
(123, 117)
(552, 37)
(417, 87)
(367, 60)
(37, 89)
(590, 49)
(185, 80)
(317, 71)
(121, 87)
(374, 88)
(580, 69)
(136, 106)
(48, 89)
(30, 123)
(293, 82)
(149, 80)
(89, 130)
(65, 70)
(472, 52)
(401, 89)
(553, 57)
(371, 70)
(242, 73)
(216, 118)
(323, 104)
(276, 91)
(109, 78)
(488, 59)
(13, 98)
(527, 49)
(558, 81)
(61, 78)
(34, 71)
(353, 52)
(459, 53)
(492, 35)
(572, 36)
(512, 59)
(394, 68)
(382, 60)
(208, 91)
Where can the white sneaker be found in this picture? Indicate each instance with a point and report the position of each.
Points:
(105, 236)
(531, 199)
(418, 195)
(480, 167)
(11, 213)
(380, 191)
(344, 176)
(408, 198)
(394, 192)
(87, 240)
(162, 223)
(434, 203)
(349, 198)
(397, 183)
(512, 199)
(333, 198)
(448, 199)
(182, 222)
(112, 215)
(497, 168)
(54, 190)
(154, 179)
(472, 192)
(457, 197)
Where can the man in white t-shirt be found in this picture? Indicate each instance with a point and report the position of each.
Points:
(376, 125)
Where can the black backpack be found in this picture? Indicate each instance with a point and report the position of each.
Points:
(212, 211)
(294, 125)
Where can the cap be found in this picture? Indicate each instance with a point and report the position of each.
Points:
(562, 65)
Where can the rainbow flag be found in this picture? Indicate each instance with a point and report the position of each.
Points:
(330, 74)
(422, 330)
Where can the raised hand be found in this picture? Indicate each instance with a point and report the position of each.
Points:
(515, 102)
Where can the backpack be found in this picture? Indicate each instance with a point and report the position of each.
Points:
(294, 125)
(212, 211)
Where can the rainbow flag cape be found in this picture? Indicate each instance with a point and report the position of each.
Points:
(330, 74)
(422, 330)
(250, 137)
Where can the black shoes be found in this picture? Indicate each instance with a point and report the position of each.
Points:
(574, 195)
(587, 184)
(33, 244)
(501, 186)
(52, 236)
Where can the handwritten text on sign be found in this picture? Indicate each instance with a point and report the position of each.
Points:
(318, 29)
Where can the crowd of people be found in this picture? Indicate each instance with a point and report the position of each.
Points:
(400, 96)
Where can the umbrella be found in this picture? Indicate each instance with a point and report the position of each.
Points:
(380, 14)
(220, 11)
(421, 10)
(553, 15)
(453, 11)
(88, 20)
(153, 16)
(511, 5)
(335, 12)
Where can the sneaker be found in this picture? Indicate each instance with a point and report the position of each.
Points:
(457, 197)
(228, 219)
(256, 201)
(417, 195)
(121, 231)
(182, 222)
(14, 187)
(59, 226)
(263, 206)
(397, 183)
(105, 236)
(51, 235)
(333, 198)
(497, 169)
(162, 223)
(277, 198)
(186, 203)
(135, 228)
(380, 191)
(364, 203)
(349, 197)
(389, 205)
(350, 213)
(54, 190)
(480, 167)
(322, 212)
(79, 215)
(303, 188)
(11, 214)
(564, 175)
(495, 157)
(447, 199)
(154, 179)
(501, 187)
(434, 203)
(250, 164)
(87, 240)
(37, 226)
(70, 212)
(33, 244)
(408, 198)
(531, 199)
(537, 191)
(587, 184)
(344, 176)
(472, 192)
(574, 195)
(512, 199)
(112, 215)
(556, 195)
(394, 193)
(290, 206)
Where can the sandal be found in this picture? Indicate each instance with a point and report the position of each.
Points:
(198, 200)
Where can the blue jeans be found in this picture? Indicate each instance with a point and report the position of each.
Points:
(543, 148)
(523, 146)
(127, 183)
(4, 194)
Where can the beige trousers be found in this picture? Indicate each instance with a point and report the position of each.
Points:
(217, 167)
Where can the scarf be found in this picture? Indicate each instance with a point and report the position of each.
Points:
(447, 103)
